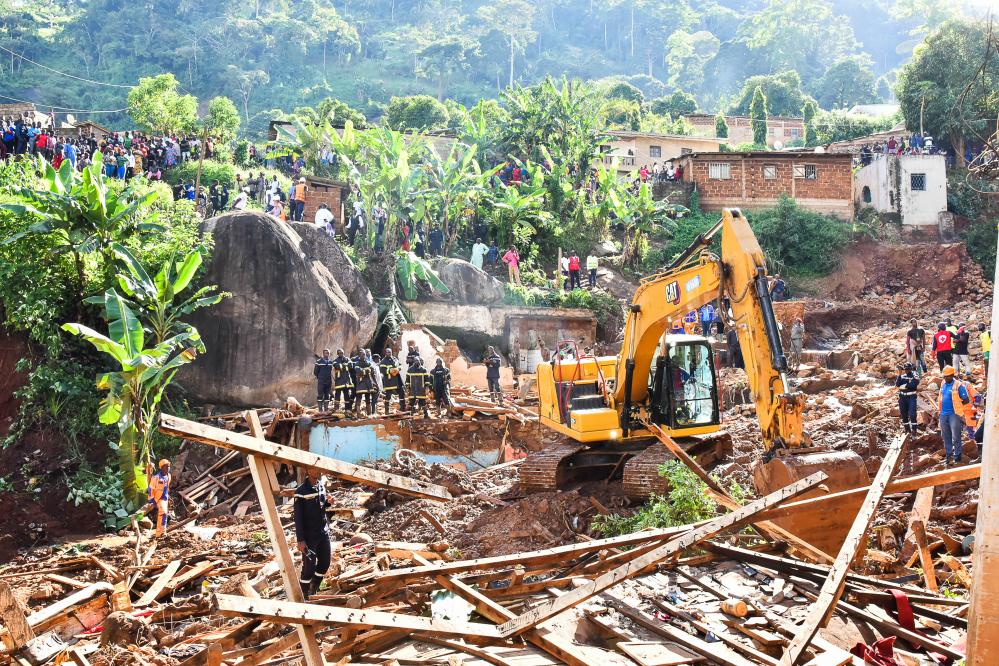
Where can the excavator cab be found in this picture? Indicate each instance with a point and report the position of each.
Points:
(683, 387)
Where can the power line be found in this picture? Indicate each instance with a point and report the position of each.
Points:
(56, 71)
(61, 109)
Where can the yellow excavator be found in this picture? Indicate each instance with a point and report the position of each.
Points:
(612, 409)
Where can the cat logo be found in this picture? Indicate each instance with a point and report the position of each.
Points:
(673, 292)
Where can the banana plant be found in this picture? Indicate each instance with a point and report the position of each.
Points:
(135, 390)
(154, 296)
(81, 212)
(453, 182)
(149, 342)
(410, 270)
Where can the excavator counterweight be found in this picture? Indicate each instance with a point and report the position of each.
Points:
(664, 380)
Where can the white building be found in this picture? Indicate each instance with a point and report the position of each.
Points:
(913, 186)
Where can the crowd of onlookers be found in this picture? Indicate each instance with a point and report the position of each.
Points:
(916, 144)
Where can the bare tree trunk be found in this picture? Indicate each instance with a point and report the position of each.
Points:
(513, 46)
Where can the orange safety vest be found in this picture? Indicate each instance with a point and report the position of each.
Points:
(299, 194)
(159, 487)
(971, 412)
(960, 408)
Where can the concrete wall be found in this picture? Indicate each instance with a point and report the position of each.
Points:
(831, 191)
(512, 327)
(888, 180)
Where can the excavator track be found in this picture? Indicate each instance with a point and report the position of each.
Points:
(641, 472)
(544, 471)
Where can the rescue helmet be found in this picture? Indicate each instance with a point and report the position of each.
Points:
(908, 367)
(164, 463)
(948, 371)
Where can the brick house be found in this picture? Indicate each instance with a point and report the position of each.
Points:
(822, 182)
(783, 129)
(325, 191)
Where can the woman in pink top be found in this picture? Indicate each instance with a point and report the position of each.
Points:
(512, 260)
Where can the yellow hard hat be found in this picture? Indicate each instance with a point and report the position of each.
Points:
(164, 463)
(948, 370)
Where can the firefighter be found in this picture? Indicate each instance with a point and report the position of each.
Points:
(159, 495)
(907, 384)
(417, 378)
(311, 532)
(442, 384)
(342, 380)
(493, 362)
(364, 386)
(324, 380)
(392, 384)
(412, 353)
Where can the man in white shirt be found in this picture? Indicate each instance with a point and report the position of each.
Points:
(241, 199)
(325, 219)
(478, 252)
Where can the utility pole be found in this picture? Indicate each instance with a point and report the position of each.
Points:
(983, 614)
(922, 105)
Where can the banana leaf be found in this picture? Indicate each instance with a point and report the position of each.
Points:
(410, 270)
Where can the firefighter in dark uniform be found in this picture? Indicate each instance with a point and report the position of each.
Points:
(417, 378)
(364, 386)
(392, 383)
(907, 384)
(412, 354)
(311, 532)
(493, 362)
(324, 380)
(442, 383)
(343, 380)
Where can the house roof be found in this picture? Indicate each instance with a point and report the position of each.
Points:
(773, 155)
(712, 116)
(682, 137)
(93, 124)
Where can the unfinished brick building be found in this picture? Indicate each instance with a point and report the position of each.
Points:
(822, 182)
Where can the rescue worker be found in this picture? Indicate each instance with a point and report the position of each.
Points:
(342, 380)
(442, 384)
(953, 404)
(324, 380)
(364, 387)
(311, 532)
(961, 363)
(907, 383)
(943, 346)
(798, 337)
(985, 337)
(493, 361)
(417, 377)
(392, 384)
(412, 353)
(972, 414)
(159, 495)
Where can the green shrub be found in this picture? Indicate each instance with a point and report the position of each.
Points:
(980, 239)
(241, 155)
(686, 502)
(210, 171)
(798, 241)
(966, 193)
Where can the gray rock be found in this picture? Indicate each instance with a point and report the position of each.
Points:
(467, 283)
(606, 248)
(293, 294)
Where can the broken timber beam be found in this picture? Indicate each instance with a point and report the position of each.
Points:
(286, 564)
(233, 441)
(290, 612)
(12, 613)
(740, 516)
(832, 589)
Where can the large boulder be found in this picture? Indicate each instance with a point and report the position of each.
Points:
(294, 293)
(469, 284)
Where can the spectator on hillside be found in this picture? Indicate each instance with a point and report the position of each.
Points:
(479, 250)
(512, 261)
(591, 268)
(241, 199)
(574, 268)
(492, 255)
(324, 219)
(436, 239)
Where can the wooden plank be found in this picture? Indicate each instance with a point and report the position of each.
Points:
(197, 571)
(65, 580)
(18, 629)
(723, 497)
(560, 554)
(658, 654)
(925, 557)
(291, 612)
(740, 516)
(920, 512)
(907, 484)
(832, 590)
(960, 572)
(159, 585)
(214, 657)
(286, 564)
(178, 427)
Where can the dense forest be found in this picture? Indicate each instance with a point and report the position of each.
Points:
(282, 54)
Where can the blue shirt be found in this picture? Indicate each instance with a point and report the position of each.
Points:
(707, 312)
(947, 397)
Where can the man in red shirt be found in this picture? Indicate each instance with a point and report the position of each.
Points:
(943, 346)
(574, 271)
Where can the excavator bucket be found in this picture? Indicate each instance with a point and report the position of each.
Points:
(845, 469)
